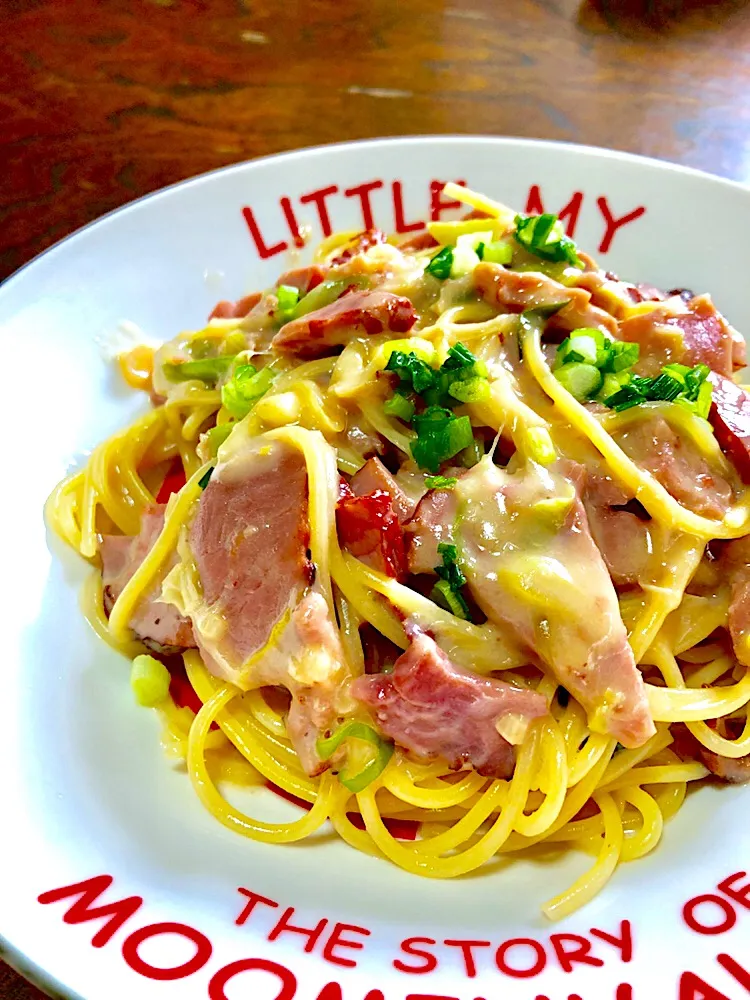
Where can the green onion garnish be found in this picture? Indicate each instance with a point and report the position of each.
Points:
(288, 297)
(496, 253)
(447, 591)
(581, 380)
(472, 390)
(674, 384)
(440, 265)
(399, 406)
(206, 478)
(414, 373)
(440, 436)
(245, 388)
(204, 369)
(149, 680)
(544, 236)
(440, 482)
(357, 731)
(218, 435)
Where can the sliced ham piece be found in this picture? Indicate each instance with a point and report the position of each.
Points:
(735, 570)
(622, 536)
(678, 467)
(355, 314)
(521, 290)
(250, 539)
(158, 624)
(690, 333)
(363, 242)
(730, 418)
(236, 310)
(431, 524)
(533, 567)
(734, 770)
(435, 709)
(374, 476)
(304, 278)
(260, 621)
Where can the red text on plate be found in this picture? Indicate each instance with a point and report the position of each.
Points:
(283, 230)
(516, 958)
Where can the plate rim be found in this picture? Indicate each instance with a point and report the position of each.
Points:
(12, 956)
(406, 140)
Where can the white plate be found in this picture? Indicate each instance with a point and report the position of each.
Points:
(85, 789)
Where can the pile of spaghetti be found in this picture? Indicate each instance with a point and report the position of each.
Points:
(444, 539)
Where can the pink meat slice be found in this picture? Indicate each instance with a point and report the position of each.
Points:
(374, 476)
(431, 524)
(678, 467)
(249, 540)
(541, 575)
(735, 567)
(622, 537)
(304, 279)
(521, 290)
(696, 334)
(353, 315)
(730, 418)
(156, 623)
(435, 709)
(250, 543)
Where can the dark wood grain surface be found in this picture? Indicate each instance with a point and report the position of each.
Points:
(105, 100)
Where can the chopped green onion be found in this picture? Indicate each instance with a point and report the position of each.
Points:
(204, 369)
(440, 482)
(624, 398)
(674, 384)
(496, 253)
(470, 456)
(288, 297)
(206, 478)
(440, 265)
(703, 401)
(149, 680)
(544, 236)
(399, 406)
(621, 357)
(677, 371)
(612, 383)
(353, 730)
(459, 356)
(445, 597)
(414, 373)
(666, 388)
(539, 446)
(440, 436)
(581, 380)
(473, 390)
(325, 293)
(218, 435)
(245, 388)
(447, 590)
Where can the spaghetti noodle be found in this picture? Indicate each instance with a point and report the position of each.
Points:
(447, 532)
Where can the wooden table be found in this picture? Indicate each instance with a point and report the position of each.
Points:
(105, 100)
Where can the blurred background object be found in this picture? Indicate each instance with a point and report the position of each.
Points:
(104, 100)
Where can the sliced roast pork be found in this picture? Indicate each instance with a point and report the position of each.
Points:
(355, 314)
(157, 623)
(259, 620)
(521, 290)
(533, 567)
(436, 709)
(678, 466)
(690, 333)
